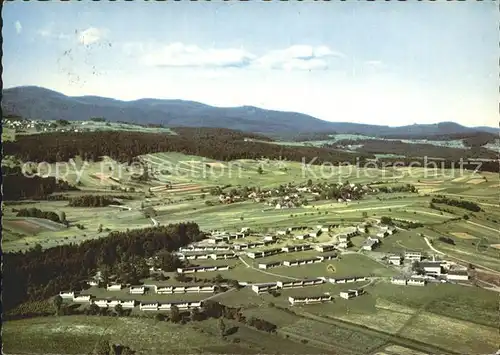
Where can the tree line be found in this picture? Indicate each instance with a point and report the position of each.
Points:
(38, 274)
(37, 213)
(17, 186)
(468, 205)
(215, 143)
(93, 201)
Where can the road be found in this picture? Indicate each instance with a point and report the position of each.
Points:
(432, 248)
(155, 222)
(219, 294)
(265, 272)
(480, 225)
(45, 223)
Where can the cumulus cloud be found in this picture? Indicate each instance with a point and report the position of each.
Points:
(18, 26)
(90, 35)
(298, 57)
(181, 55)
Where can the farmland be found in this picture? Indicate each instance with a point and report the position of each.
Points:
(179, 189)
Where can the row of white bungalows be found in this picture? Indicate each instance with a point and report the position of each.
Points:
(327, 256)
(137, 290)
(213, 256)
(250, 245)
(410, 281)
(205, 248)
(156, 306)
(344, 280)
(305, 261)
(282, 232)
(264, 287)
(269, 265)
(170, 289)
(193, 269)
(352, 232)
(325, 247)
(309, 299)
(82, 298)
(350, 294)
(264, 253)
(327, 228)
(293, 248)
(297, 228)
(68, 294)
(114, 287)
(457, 276)
(299, 283)
(413, 255)
(105, 303)
(225, 238)
(395, 260)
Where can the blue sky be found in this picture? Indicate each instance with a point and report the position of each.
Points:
(374, 62)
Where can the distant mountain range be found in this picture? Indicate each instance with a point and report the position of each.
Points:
(39, 103)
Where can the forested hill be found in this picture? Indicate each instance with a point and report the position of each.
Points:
(40, 103)
(214, 143)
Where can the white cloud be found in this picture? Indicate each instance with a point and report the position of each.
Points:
(19, 27)
(181, 55)
(49, 33)
(297, 57)
(90, 35)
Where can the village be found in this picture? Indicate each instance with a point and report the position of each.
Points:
(214, 254)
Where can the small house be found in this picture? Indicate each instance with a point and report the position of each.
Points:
(431, 267)
(413, 255)
(370, 243)
(324, 248)
(302, 236)
(264, 287)
(395, 260)
(350, 294)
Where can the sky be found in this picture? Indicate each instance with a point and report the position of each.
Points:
(391, 63)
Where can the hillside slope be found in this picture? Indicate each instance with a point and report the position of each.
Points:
(39, 103)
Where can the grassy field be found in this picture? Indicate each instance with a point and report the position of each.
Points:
(386, 320)
(79, 335)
